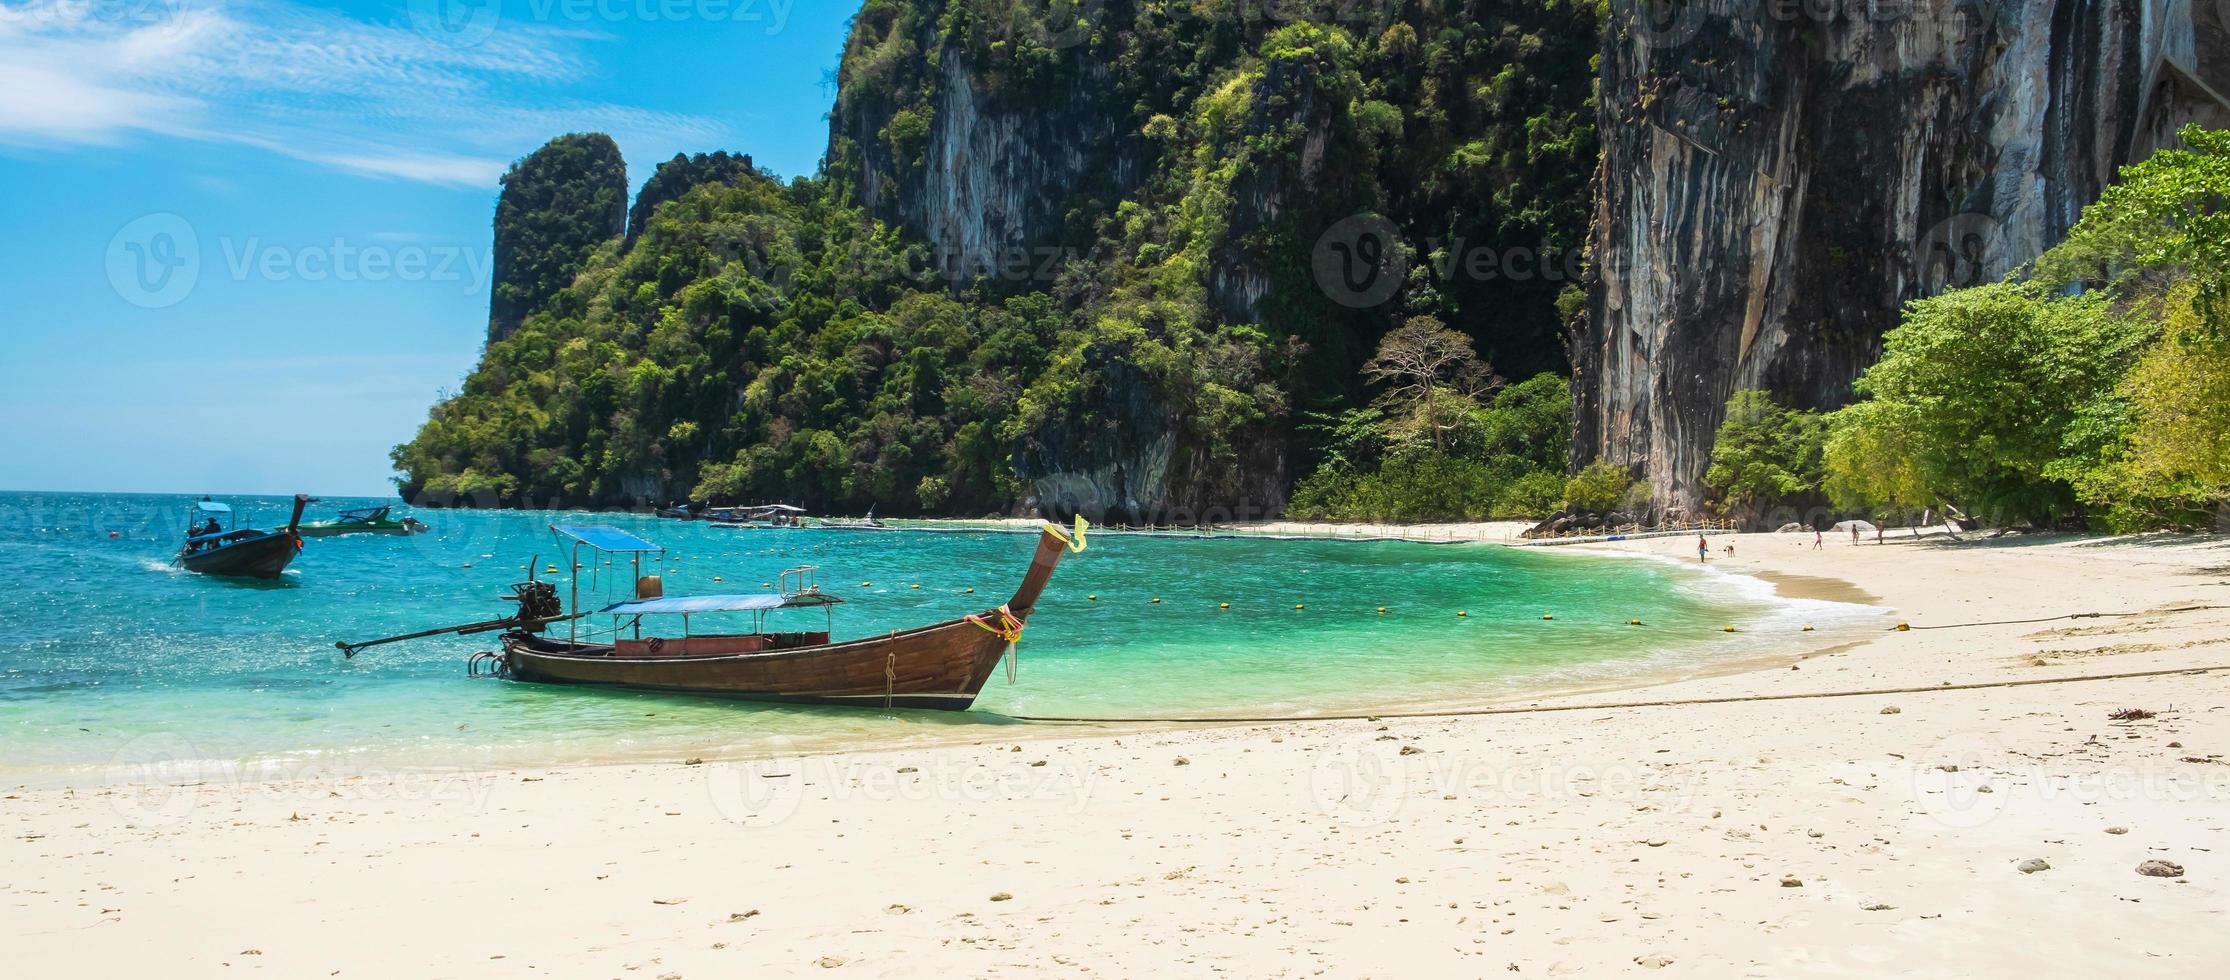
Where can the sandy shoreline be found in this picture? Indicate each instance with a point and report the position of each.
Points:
(1642, 839)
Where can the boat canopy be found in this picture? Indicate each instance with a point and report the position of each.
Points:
(693, 604)
(212, 507)
(365, 513)
(606, 539)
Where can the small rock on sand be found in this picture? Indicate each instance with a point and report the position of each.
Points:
(2117, 831)
(2157, 868)
(1002, 897)
(1891, 710)
(1654, 961)
(1182, 761)
(1792, 882)
(830, 962)
(2032, 866)
(1411, 750)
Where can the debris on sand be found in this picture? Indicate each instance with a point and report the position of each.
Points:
(2157, 868)
(2129, 714)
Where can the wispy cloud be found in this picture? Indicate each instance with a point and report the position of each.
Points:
(379, 99)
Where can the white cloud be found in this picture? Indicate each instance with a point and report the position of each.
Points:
(379, 99)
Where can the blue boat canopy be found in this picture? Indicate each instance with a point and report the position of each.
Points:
(606, 539)
(692, 604)
(212, 507)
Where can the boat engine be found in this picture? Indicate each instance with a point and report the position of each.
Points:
(538, 604)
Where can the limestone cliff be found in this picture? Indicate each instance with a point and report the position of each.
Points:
(558, 204)
(1777, 180)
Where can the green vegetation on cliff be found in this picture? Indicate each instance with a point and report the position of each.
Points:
(1167, 330)
(557, 205)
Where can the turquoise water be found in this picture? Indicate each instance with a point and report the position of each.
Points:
(106, 650)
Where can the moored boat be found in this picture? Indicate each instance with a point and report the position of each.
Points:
(362, 520)
(942, 665)
(216, 546)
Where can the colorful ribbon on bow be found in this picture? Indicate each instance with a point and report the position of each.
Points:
(1075, 543)
(1009, 628)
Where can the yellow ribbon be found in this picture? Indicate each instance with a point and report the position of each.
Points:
(1076, 543)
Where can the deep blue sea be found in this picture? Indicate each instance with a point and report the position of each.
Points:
(109, 654)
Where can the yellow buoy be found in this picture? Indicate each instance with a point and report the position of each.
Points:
(865, 584)
(971, 590)
(1460, 612)
(1225, 606)
(716, 578)
(1094, 597)
(917, 585)
(766, 585)
(1807, 627)
(1730, 628)
(1157, 602)
(468, 564)
(1382, 610)
(1547, 616)
(1633, 622)
(1904, 627)
(1298, 605)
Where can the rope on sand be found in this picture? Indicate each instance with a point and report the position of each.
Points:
(2054, 619)
(1614, 705)
(1685, 702)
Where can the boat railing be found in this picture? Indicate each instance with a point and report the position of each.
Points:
(807, 579)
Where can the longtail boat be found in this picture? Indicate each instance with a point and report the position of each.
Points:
(362, 520)
(942, 665)
(215, 545)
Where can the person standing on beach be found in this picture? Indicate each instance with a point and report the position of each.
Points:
(1703, 548)
(1818, 539)
(1854, 532)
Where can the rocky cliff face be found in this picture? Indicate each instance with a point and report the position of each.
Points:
(982, 172)
(1777, 180)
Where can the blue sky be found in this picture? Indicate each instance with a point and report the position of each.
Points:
(246, 241)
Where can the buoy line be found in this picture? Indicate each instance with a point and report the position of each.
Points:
(1616, 705)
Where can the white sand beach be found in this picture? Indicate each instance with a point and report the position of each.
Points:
(1856, 835)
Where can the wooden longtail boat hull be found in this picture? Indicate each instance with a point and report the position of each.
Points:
(944, 665)
(263, 557)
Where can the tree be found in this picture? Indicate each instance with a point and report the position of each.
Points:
(1765, 454)
(2166, 216)
(1984, 386)
(1423, 363)
(1601, 487)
